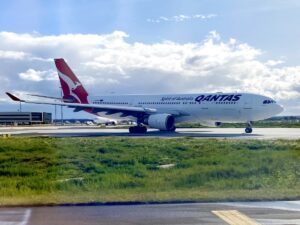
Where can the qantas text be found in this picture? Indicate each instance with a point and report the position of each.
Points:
(219, 98)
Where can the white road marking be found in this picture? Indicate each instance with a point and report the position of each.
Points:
(26, 217)
(279, 221)
(15, 217)
(281, 205)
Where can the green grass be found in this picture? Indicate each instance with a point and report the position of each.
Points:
(112, 169)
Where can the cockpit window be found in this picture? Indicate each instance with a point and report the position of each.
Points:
(268, 102)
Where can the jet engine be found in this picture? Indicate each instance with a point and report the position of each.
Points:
(211, 123)
(161, 121)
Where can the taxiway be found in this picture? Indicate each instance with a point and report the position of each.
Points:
(232, 133)
(239, 213)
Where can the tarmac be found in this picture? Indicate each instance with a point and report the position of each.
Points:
(238, 213)
(93, 131)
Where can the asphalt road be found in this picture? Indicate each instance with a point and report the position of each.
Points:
(264, 213)
(233, 133)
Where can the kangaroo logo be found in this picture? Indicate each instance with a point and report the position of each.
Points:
(72, 85)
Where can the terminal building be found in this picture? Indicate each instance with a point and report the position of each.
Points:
(25, 118)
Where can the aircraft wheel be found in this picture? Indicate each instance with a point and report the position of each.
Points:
(248, 130)
(171, 130)
(138, 130)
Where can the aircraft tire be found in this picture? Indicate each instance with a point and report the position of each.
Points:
(138, 130)
(170, 130)
(248, 130)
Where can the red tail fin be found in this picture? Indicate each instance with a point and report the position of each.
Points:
(71, 86)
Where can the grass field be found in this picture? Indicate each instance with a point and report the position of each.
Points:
(112, 169)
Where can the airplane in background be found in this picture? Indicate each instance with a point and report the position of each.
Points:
(165, 110)
(103, 120)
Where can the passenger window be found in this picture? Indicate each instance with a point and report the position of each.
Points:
(268, 102)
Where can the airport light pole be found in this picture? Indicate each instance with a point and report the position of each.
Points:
(55, 114)
(62, 115)
(61, 108)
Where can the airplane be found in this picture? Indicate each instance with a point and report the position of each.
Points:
(103, 120)
(163, 111)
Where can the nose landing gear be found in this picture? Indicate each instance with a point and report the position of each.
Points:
(248, 129)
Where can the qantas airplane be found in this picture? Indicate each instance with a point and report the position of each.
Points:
(163, 111)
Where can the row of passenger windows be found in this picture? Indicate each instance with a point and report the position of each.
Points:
(110, 103)
(184, 103)
(268, 102)
(165, 103)
(230, 103)
(159, 103)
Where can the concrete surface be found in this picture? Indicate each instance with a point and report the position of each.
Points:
(233, 133)
(265, 213)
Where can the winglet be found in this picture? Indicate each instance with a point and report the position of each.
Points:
(13, 97)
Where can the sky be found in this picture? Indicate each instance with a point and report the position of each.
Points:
(143, 46)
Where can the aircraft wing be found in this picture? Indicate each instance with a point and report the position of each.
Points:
(94, 108)
(50, 97)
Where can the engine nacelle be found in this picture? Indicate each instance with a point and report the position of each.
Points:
(211, 123)
(161, 121)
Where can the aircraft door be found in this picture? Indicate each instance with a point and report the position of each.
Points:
(247, 109)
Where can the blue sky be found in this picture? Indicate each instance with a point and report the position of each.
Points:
(270, 28)
(272, 25)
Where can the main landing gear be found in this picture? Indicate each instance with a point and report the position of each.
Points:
(139, 129)
(173, 129)
(248, 129)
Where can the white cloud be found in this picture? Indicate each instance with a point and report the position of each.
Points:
(12, 55)
(109, 63)
(35, 75)
(274, 62)
(181, 18)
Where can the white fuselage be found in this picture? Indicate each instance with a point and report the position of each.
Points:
(217, 107)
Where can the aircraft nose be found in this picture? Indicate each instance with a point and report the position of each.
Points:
(278, 109)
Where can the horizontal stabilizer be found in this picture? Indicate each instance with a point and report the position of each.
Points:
(13, 97)
(78, 109)
(50, 97)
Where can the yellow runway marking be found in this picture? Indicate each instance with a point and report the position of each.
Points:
(234, 217)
